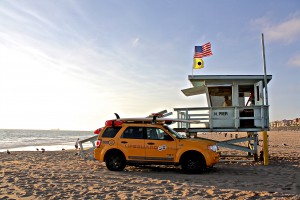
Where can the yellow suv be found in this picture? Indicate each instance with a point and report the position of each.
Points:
(146, 141)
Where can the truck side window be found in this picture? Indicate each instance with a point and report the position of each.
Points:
(111, 132)
(133, 133)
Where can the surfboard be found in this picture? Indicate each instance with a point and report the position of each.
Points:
(162, 120)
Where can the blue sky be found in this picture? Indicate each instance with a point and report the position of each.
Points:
(72, 64)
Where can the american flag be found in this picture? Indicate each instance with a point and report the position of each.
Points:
(202, 51)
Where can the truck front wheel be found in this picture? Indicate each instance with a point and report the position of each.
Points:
(193, 164)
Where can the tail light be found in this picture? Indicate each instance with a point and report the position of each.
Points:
(97, 131)
(112, 123)
(98, 143)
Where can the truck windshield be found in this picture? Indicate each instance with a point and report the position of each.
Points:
(174, 133)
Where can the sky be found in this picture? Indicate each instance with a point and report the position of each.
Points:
(71, 64)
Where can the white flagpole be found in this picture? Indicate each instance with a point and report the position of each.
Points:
(192, 71)
(193, 67)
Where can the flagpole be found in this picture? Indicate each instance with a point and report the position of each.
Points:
(193, 67)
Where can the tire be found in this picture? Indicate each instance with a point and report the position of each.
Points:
(115, 161)
(193, 164)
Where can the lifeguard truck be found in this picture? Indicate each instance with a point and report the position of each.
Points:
(236, 103)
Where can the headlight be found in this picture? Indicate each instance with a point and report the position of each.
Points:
(213, 148)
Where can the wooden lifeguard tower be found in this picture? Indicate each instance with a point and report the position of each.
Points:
(235, 104)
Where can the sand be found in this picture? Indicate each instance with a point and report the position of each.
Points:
(62, 175)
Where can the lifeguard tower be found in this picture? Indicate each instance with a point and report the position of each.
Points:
(235, 104)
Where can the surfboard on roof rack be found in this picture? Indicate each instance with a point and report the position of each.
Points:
(155, 118)
(159, 120)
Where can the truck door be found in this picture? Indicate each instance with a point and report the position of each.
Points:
(132, 143)
(159, 145)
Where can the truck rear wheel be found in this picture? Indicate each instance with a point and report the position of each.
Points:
(115, 161)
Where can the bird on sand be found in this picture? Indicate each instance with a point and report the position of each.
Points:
(8, 152)
(43, 150)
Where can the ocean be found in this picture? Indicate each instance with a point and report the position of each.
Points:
(50, 140)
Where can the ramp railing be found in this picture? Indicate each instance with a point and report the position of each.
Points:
(87, 152)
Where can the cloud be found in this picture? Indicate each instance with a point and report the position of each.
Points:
(295, 61)
(135, 42)
(286, 31)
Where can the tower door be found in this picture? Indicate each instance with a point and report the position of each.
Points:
(259, 95)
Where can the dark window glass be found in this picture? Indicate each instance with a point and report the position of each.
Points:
(133, 133)
(111, 132)
(257, 93)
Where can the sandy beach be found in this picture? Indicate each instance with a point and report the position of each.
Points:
(62, 175)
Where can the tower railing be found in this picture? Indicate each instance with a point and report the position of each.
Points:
(230, 119)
